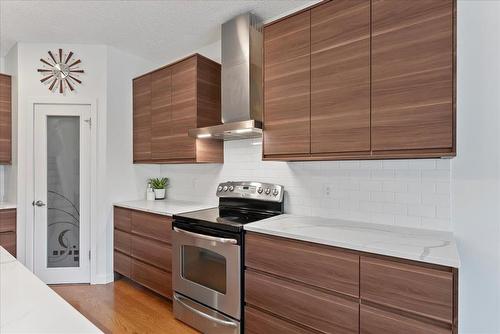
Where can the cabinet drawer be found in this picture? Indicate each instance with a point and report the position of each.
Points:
(7, 220)
(122, 263)
(152, 226)
(315, 309)
(375, 321)
(122, 241)
(153, 278)
(423, 291)
(317, 265)
(257, 322)
(122, 219)
(8, 241)
(152, 252)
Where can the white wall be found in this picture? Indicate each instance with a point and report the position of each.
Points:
(94, 61)
(476, 169)
(124, 180)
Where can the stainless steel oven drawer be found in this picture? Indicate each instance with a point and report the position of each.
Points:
(202, 318)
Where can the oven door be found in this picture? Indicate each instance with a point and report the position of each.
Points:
(207, 269)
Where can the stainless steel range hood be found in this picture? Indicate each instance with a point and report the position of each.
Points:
(241, 81)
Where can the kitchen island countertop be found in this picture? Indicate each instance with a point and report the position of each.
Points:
(28, 305)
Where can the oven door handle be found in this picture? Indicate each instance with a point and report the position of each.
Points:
(204, 315)
(207, 237)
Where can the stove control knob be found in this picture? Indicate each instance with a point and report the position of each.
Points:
(231, 188)
(225, 188)
(219, 188)
(275, 192)
(268, 191)
(259, 190)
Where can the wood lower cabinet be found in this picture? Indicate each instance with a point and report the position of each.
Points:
(423, 291)
(361, 79)
(5, 119)
(142, 249)
(299, 287)
(377, 321)
(170, 101)
(8, 230)
(318, 310)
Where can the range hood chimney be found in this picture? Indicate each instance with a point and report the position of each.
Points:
(241, 81)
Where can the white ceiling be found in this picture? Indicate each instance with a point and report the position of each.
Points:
(156, 30)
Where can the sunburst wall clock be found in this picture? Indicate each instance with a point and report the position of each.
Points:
(60, 71)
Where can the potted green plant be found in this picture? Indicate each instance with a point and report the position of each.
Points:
(159, 184)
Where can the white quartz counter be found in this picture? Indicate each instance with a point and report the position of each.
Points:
(427, 246)
(6, 205)
(168, 207)
(27, 305)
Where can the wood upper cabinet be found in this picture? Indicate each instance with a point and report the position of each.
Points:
(161, 113)
(413, 75)
(287, 86)
(361, 79)
(340, 77)
(142, 118)
(5, 119)
(170, 101)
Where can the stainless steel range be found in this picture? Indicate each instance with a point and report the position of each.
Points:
(207, 255)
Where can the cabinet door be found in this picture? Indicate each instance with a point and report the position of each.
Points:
(8, 220)
(412, 75)
(375, 321)
(258, 322)
(180, 145)
(287, 86)
(340, 77)
(325, 267)
(301, 304)
(142, 118)
(161, 113)
(423, 291)
(152, 277)
(5, 120)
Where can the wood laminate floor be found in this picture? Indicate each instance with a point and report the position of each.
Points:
(123, 307)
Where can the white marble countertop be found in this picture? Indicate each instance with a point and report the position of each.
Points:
(168, 207)
(27, 305)
(7, 205)
(436, 247)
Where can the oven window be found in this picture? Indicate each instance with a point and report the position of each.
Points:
(204, 267)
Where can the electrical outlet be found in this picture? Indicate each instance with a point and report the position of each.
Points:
(327, 190)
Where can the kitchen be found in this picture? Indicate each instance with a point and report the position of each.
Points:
(325, 170)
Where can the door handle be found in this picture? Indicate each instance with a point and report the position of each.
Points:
(204, 315)
(38, 203)
(207, 237)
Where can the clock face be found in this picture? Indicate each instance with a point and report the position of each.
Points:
(61, 72)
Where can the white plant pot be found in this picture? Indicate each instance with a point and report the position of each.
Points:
(159, 193)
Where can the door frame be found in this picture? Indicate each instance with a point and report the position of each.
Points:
(30, 177)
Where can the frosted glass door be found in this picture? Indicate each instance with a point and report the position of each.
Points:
(63, 191)
(61, 202)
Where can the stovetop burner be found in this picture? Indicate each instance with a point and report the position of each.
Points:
(240, 203)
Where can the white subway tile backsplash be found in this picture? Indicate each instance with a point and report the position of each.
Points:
(422, 211)
(408, 198)
(414, 193)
